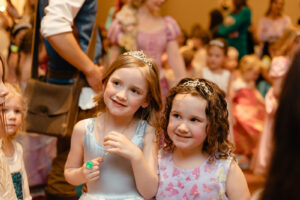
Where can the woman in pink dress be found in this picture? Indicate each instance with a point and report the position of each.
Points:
(139, 27)
(274, 23)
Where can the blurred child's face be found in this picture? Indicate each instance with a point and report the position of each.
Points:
(125, 92)
(187, 122)
(197, 43)
(251, 75)
(215, 57)
(154, 5)
(13, 114)
(231, 62)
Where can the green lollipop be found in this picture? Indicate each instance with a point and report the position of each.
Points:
(89, 164)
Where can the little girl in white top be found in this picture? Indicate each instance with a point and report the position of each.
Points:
(14, 110)
(216, 60)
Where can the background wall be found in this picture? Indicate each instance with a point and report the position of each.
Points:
(188, 12)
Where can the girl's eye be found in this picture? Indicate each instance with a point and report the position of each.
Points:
(176, 115)
(18, 111)
(135, 91)
(195, 120)
(116, 83)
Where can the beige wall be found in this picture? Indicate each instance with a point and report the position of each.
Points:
(188, 12)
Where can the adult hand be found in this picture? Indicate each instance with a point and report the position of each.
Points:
(94, 78)
(229, 20)
(120, 144)
(91, 174)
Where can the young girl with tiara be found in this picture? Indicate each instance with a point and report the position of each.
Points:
(14, 110)
(6, 186)
(196, 160)
(216, 59)
(115, 153)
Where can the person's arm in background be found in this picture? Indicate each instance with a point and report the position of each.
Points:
(242, 18)
(175, 60)
(56, 27)
(114, 53)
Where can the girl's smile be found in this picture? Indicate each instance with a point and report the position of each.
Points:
(125, 92)
(187, 124)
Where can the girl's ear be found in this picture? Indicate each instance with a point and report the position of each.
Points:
(146, 103)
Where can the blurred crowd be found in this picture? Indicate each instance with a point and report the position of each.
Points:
(248, 63)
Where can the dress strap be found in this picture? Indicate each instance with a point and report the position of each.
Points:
(89, 125)
(141, 128)
(138, 137)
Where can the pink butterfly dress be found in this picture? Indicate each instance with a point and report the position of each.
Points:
(206, 182)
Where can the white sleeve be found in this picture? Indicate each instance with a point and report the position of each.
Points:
(59, 15)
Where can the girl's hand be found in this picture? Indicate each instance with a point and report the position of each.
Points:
(93, 173)
(119, 144)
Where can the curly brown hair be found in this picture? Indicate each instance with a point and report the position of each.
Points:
(216, 143)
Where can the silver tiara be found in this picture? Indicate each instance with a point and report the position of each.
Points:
(217, 43)
(198, 83)
(139, 55)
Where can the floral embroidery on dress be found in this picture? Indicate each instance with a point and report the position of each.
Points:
(194, 191)
(176, 172)
(206, 182)
(207, 188)
(171, 189)
(196, 172)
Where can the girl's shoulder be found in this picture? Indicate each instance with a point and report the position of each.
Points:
(84, 126)
(172, 28)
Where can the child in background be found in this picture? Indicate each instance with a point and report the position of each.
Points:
(15, 109)
(199, 39)
(115, 154)
(216, 57)
(188, 56)
(232, 61)
(248, 109)
(196, 161)
(285, 49)
(279, 67)
(6, 186)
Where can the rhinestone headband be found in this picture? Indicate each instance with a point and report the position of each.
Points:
(139, 55)
(217, 43)
(197, 83)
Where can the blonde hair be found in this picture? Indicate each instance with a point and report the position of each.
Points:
(283, 45)
(15, 91)
(250, 62)
(151, 75)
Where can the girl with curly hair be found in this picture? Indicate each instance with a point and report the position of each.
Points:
(195, 125)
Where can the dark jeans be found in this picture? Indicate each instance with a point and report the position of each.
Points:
(57, 187)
